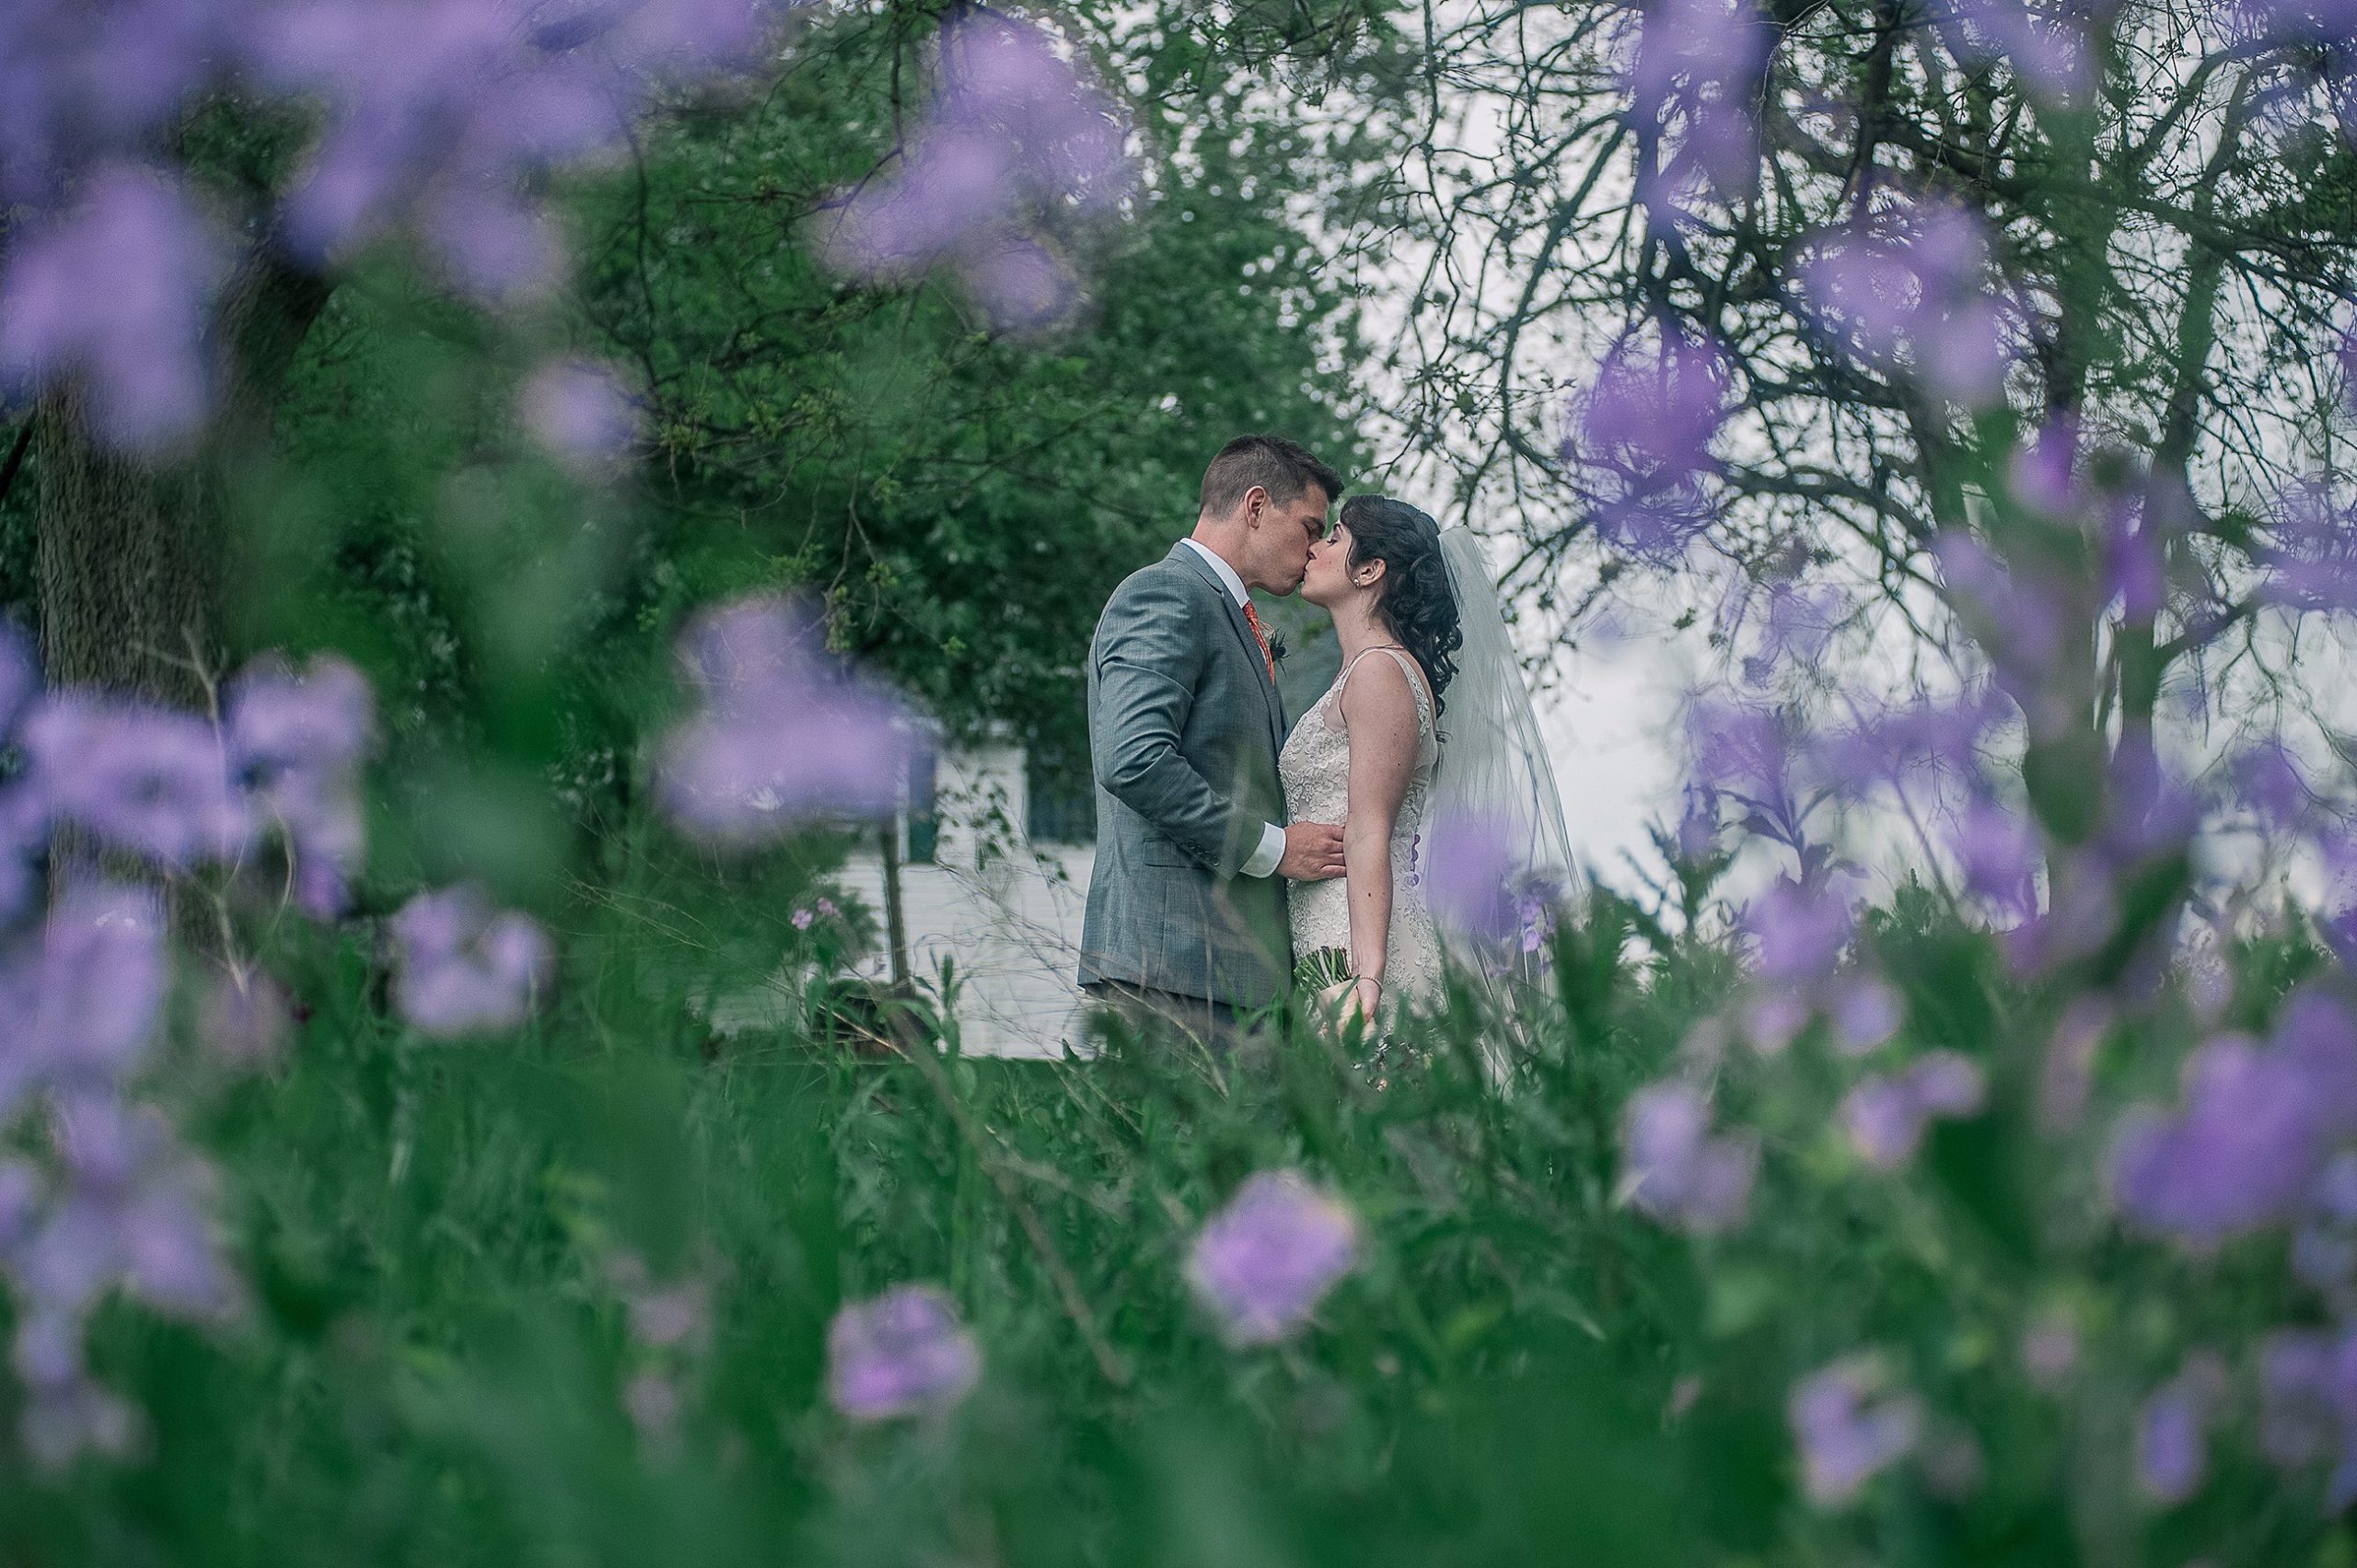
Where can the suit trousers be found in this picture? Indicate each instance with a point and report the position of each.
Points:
(1218, 1027)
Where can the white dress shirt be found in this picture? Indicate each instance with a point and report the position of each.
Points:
(1272, 838)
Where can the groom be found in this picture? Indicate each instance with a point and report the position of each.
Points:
(1187, 905)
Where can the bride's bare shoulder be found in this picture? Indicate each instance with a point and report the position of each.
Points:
(1376, 692)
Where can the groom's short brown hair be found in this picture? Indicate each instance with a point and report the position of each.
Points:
(1284, 469)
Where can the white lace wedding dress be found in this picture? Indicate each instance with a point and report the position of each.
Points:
(1316, 768)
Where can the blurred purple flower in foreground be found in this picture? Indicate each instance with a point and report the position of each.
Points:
(1886, 1115)
(1907, 291)
(2307, 1381)
(1470, 870)
(1016, 140)
(1745, 752)
(1262, 1263)
(442, 112)
(79, 82)
(1675, 1169)
(784, 738)
(79, 999)
(1641, 435)
(2252, 1135)
(903, 1352)
(1799, 930)
(122, 1203)
(445, 115)
(2172, 1432)
(114, 291)
(19, 677)
(297, 743)
(579, 414)
(1849, 1429)
(2311, 561)
(138, 778)
(467, 968)
(1691, 83)
(2043, 44)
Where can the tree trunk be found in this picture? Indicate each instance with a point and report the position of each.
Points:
(131, 551)
(128, 563)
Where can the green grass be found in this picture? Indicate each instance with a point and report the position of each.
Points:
(431, 1365)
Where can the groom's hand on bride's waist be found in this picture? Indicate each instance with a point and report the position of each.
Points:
(1313, 851)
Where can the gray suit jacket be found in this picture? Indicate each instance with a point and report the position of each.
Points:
(1184, 727)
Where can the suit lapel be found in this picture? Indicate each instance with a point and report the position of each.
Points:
(1271, 702)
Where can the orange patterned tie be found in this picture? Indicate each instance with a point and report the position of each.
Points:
(1252, 619)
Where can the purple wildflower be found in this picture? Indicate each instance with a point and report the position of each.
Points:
(2244, 1148)
(903, 1352)
(1675, 1169)
(2044, 45)
(783, 736)
(1895, 742)
(1947, 1084)
(115, 291)
(1907, 291)
(1849, 1429)
(1795, 630)
(130, 1212)
(1884, 1120)
(1468, 870)
(1772, 1022)
(2172, 1430)
(140, 778)
(19, 677)
(1799, 930)
(1264, 1263)
(1641, 438)
(81, 84)
(1020, 284)
(1865, 1012)
(2308, 1405)
(2019, 621)
(2270, 780)
(1691, 81)
(299, 743)
(467, 968)
(1747, 752)
(439, 113)
(579, 414)
(661, 1315)
(2134, 572)
(82, 1004)
(2172, 1448)
(1886, 1116)
(1015, 139)
(2311, 561)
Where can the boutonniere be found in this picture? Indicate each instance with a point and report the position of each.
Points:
(1276, 646)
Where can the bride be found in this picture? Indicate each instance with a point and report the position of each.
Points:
(1410, 606)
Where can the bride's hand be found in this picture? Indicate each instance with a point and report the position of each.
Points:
(1351, 1000)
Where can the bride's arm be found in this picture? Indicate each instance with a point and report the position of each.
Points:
(1379, 711)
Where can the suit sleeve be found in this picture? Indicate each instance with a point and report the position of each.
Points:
(1149, 655)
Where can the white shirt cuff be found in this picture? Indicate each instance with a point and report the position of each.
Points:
(1273, 850)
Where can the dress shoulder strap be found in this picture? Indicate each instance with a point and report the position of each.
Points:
(1406, 667)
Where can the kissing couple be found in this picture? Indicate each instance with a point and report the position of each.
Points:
(1237, 855)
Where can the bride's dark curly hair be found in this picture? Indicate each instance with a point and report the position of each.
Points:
(1416, 602)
